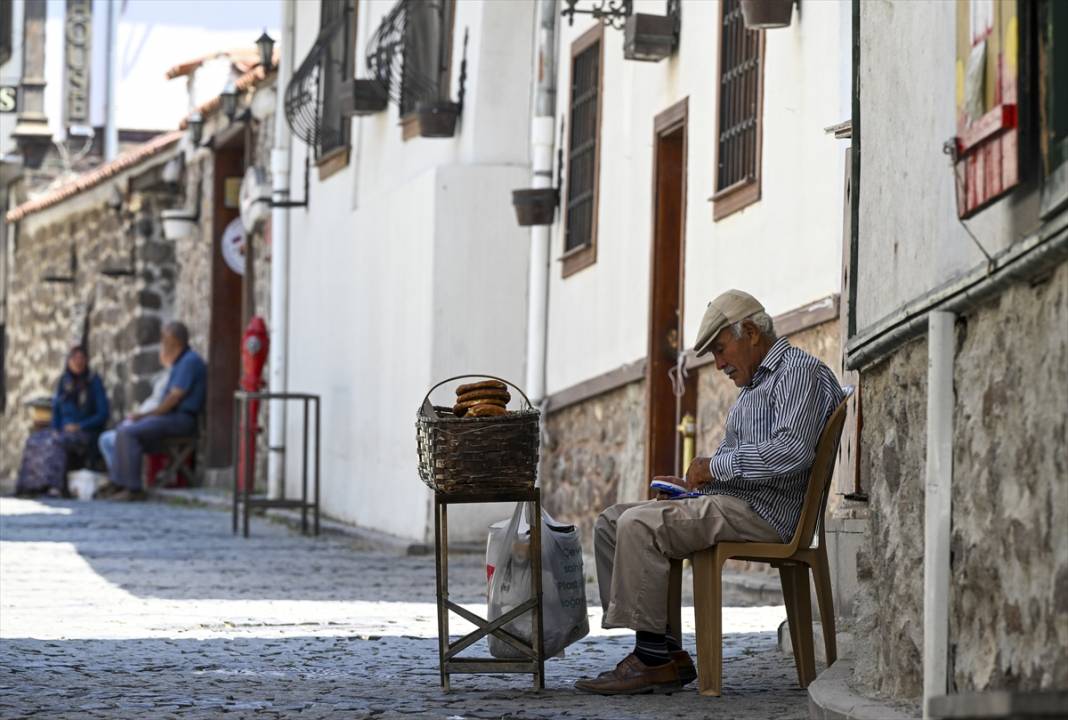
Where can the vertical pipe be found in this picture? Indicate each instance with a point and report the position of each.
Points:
(542, 142)
(280, 167)
(111, 128)
(937, 505)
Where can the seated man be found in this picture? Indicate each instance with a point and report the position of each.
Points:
(106, 442)
(175, 416)
(752, 489)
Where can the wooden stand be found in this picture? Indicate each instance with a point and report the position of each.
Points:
(533, 651)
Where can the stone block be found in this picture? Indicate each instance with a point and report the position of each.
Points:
(157, 253)
(146, 329)
(146, 362)
(149, 299)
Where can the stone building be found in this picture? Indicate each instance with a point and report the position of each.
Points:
(90, 260)
(958, 319)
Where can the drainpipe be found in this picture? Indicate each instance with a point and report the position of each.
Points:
(541, 149)
(937, 505)
(280, 166)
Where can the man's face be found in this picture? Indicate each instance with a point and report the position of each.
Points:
(738, 357)
(168, 349)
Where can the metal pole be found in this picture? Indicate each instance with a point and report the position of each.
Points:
(937, 506)
(318, 453)
(280, 169)
(304, 474)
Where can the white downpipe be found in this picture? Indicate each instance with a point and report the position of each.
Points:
(279, 349)
(937, 505)
(542, 145)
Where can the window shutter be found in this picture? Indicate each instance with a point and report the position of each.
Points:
(987, 164)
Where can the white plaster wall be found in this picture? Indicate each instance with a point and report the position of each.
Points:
(910, 241)
(408, 268)
(785, 249)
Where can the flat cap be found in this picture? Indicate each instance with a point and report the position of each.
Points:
(730, 307)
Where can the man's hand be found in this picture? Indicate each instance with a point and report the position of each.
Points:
(662, 495)
(698, 474)
(71, 427)
(135, 416)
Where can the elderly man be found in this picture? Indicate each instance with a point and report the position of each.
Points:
(174, 416)
(752, 489)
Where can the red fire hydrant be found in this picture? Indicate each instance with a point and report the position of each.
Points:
(254, 346)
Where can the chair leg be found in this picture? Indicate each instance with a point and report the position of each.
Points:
(674, 609)
(708, 609)
(803, 650)
(787, 579)
(821, 575)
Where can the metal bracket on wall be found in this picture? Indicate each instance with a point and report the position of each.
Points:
(297, 203)
(613, 13)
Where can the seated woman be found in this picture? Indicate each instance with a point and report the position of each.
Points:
(79, 413)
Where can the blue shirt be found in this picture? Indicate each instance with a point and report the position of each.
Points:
(90, 412)
(772, 430)
(188, 374)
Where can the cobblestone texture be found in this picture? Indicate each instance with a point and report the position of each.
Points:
(152, 610)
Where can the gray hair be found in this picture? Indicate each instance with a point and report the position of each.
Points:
(763, 323)
(178, 331)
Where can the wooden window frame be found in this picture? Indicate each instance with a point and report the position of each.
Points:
(409, 121)
(583, 256)
(729, 200)
(333, 160)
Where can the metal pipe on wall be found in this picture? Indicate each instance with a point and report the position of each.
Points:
(938, 498)
(542, 145)
(280, 168)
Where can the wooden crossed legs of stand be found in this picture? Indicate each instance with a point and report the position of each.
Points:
(532, 653)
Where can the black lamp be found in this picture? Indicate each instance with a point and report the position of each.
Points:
(266, 45)
(652, 38)
(228, 99)
(196, 128)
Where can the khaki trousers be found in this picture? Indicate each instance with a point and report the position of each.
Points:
(635, 543)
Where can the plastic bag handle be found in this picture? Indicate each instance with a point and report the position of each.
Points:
(530, 405)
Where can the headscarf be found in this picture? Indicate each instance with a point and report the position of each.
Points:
(75, 387)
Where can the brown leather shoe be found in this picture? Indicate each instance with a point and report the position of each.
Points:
(684, 665)
(127, 495)
(633, 677)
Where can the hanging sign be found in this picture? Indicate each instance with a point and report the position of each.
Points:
(233, 246)
(77, 34)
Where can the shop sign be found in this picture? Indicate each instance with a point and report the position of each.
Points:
(8, 98)
(77, 36)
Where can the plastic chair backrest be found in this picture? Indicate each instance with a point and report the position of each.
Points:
(819, 479)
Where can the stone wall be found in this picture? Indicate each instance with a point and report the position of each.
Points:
(1009, 573)
(122, 314)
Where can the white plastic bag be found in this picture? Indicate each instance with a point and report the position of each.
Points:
(83, 484)
(563, 582)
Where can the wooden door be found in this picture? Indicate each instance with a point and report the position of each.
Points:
(224, 334)
(665, 407)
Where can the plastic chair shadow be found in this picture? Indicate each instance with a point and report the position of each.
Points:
(793, 559)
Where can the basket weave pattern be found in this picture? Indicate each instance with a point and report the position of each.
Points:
(482, 454)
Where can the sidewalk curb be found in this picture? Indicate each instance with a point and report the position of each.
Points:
(214, 499)
(831, 698)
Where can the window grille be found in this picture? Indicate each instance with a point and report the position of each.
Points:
(739, 113)
(582, 154)
(427, 53)
(338, 18)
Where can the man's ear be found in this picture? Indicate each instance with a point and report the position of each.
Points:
(752, 332)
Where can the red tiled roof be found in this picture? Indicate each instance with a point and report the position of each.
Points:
(96, 176)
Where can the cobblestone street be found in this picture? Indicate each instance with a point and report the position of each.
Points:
(155, 610)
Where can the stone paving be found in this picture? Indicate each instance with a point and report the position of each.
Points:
(156, 611)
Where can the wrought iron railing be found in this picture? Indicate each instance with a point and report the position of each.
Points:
(310, 92)
(390, 53)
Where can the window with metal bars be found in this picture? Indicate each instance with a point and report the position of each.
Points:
(583, 154)
(427, 53)
(740, 100)
(337, 20)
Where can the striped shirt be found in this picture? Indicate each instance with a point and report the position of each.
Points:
(771, 436)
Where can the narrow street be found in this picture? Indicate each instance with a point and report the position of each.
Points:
(154, 610)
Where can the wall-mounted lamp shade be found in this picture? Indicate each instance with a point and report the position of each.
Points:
(265, 43)
(228, 99)
(178, 223)
(650, 38)
(196, 128)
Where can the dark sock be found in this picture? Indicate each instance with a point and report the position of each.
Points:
(673, 645)
(651, 648)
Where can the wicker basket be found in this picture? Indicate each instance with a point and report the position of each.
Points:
(477, 455)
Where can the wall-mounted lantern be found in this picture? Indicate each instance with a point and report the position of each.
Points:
(196, 128)
(651, 38)
(228, 99)
(265, 44)
(767, 14)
